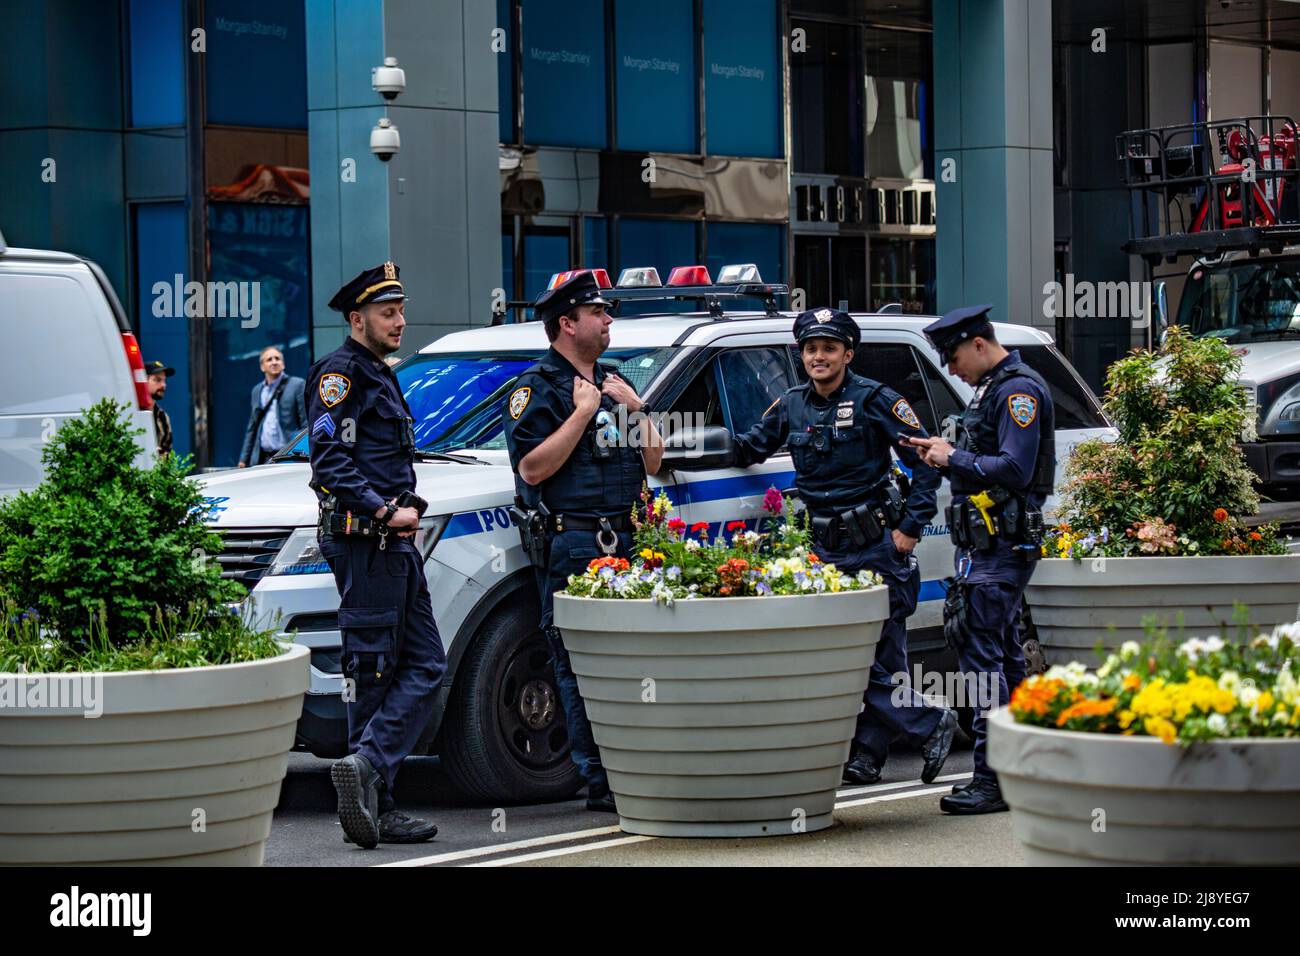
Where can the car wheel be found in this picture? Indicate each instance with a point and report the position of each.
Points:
(505, 738)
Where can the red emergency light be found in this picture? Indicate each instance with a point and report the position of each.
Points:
(602, 278)
(689, 275)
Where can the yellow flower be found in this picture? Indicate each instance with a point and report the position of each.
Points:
(1132, 682)
(1159, 727)
(1225, 702)
(646, 553)
(1265, 703)
(1126, 717)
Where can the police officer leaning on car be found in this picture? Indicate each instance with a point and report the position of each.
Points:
(362, 449)
(577, 479)
(1001, 471)
(839, 427)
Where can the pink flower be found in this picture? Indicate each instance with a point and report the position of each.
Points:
(773, 502)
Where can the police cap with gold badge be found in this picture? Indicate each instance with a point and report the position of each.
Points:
(379, 284)
(577, 290)
(958, 326)
(827, 324)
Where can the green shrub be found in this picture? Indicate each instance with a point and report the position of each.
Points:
(1176, 481)
(102, 547)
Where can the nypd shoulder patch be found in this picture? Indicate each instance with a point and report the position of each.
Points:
(903, 412)
(334, 388)
(519, 401)
(1024, 409)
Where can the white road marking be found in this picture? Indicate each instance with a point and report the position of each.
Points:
(504, 847)
(891, 796)
(878, 787)
(564, 851)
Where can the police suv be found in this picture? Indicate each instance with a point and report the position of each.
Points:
(497, 723)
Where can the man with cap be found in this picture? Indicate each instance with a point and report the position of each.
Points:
(1001, 470)
(362, 449)
(576, 477)
(840, 427)
(162, 425)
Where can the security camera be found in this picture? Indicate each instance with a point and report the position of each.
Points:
(384, 140)
(389, 79)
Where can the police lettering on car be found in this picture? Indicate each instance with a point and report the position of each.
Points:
(840, 427)
(576, 477)
(362, 449)
(1001, 470)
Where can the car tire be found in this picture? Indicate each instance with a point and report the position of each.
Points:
(504, 739)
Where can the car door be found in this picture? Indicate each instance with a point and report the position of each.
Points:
(731, 385)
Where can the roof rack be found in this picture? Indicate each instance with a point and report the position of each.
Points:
(712, 295)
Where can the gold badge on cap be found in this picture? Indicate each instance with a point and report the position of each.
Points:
(390, 270)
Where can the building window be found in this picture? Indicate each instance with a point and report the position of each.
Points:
(900, 142)
(564, 73)
(731, 243)
(826, 88)
(902, 271)
(655, 75)
(742, 78)
(506, 73)
(157, 65)
(159, 230)
(256, 64)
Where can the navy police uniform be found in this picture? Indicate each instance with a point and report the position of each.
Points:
(362, 450)
(582, 511)
(840, 448)
(1005, 448)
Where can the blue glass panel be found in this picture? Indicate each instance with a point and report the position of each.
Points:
(506, 75)
(564, 73)
(659, 243)
(545, 253)
(256, 64)
(742, 78)
(655, 75)
(595, 245)
(157, 63)
(160, 256)
(733, 243)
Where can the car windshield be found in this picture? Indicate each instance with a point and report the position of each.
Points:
(1073, 402)
(1251, 300)
(455, 398)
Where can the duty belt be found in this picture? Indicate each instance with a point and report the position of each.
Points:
(559, 523)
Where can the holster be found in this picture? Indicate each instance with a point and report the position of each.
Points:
(956, 611)
(331, 521)
(532, 531)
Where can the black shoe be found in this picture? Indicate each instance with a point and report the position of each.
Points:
(357, 784)
(982, 796)
(959, 787)
(602, 803)
(862, 769)
(396, 827)
(937, 745)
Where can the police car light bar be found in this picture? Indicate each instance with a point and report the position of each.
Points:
(730, 275)
(602, 277)
(689, 275)
(644, 278)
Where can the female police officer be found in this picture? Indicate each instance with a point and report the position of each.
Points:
(1001, 469)
(576, 477)
(840, 427)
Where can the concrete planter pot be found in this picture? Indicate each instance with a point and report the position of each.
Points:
(171, 749)
(724, 717)
(1075, 603)
(1215, 803)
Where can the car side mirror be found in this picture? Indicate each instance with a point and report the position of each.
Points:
(1162, 305)
(695, 449)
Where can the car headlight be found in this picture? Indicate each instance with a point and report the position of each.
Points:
(1291, 413)
(301, 553)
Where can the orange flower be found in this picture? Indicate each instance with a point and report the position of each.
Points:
(1086, 708)
(1256, 536)
(813, 559)
(1220, 515)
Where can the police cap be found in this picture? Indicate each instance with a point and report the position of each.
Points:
(379, 284)
(158, 368)
(580, 289)
(958, 326)
(827, 324)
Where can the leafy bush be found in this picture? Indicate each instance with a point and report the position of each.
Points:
(102, 548)
(1175, 482)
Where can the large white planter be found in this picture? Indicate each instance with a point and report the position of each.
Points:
(173, 749)
(724, 716)
(1075, 603)
(1094, 799)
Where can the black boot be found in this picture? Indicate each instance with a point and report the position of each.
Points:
(937, 745)
(357, 785)
(982, 796)
(396, 827)
(863, 768)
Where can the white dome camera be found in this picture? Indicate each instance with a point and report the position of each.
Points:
(389, 79)
(384, 140)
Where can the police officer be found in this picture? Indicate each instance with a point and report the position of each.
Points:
(577, 478)
(839, 427)
(1001, 471)
(362, 448)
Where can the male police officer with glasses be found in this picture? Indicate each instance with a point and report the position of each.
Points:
(839, 427)
(362, 449)
(1001, 470)
(577, 479)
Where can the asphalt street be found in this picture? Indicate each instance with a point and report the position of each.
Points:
(895, 822)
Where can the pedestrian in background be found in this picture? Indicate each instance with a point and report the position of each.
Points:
(278, 410)
(162, 425)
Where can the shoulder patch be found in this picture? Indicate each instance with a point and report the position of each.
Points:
(1024, 409)
(334, 388)
(903, 412)
(519, 401)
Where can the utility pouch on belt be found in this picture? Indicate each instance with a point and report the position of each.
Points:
(532, 531)
(956, 608)
(893, 505)
(863, 525)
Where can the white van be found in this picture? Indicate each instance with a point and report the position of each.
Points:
(496, 723)
(67, 345)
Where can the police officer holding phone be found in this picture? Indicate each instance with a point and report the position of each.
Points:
(576, 477)
(1002, 470)
(362, 449)
(840, 428)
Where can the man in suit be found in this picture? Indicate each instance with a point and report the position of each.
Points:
(279, 409)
